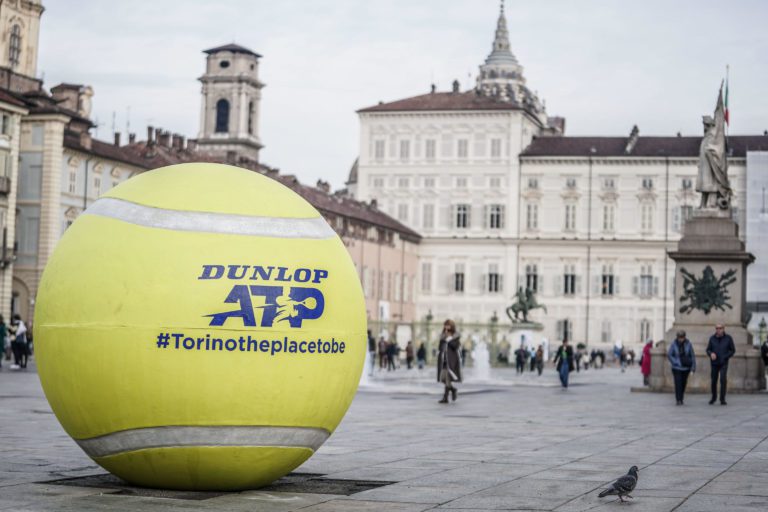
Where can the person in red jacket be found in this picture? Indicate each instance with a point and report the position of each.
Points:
(645, 362)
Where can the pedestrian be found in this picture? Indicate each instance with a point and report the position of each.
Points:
(520, 359)
(19, 344)
(391, 353)
(564, 362)
(382, 353)
(409, 354)
(601, 355)
(532, 357)
(539, 359)
(448, 360)
(421, 356)
(3, 335)
(463, 355)
(623, 359)
(720, 349)
(371, 350)
(683, 361)
(763, 351)
(645, 363)
(577, 359)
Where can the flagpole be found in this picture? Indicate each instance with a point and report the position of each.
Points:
(727, 110)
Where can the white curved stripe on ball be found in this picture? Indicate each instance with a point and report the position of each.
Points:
(208, 222)
(186, 436)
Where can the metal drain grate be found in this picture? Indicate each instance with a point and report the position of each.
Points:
(313, 483)
(115, 486)
(316, 484)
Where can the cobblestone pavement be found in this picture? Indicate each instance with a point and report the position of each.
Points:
(511, 443)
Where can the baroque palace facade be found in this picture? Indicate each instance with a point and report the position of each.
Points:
(504, 200)
(52, 168)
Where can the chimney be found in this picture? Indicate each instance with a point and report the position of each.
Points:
(324, 186)
(182, 142)
(177, 143)
(374, 204)
(433, 89)
(131, 138)
(192, 145)
(117, 139)
(150, 135)
(164, 138)
(455, 86)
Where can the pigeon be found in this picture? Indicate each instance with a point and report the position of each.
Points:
(623, 486)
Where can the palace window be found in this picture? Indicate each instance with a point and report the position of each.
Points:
(532, 277)
(458, 278)
(405, 149)
(609, 184)
(494, 278)
(646, 217)
(645, 285)
(605, 331)
(570, 217)
(608, 281)
(428, 216)
(222, 116)
(569, 280)
(462, 148)
(495, 183)
(533, 183)
(378, 149)
(461, 182)
(496, 216)
(402, 212)
(429, 183)
(647, 183)
(429, 149)
(462, 216)
(426, 277)
(72, 181)
(403, 182)
(14, 46)
(564, 329)
(532, 216)
(250, 117)
(686, 184)
(570, 183)
(645, 330)
(495, 148)
(609, 214)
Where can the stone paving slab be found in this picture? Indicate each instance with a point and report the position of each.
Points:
(513, 443)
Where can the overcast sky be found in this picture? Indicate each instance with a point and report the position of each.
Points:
(603, 64)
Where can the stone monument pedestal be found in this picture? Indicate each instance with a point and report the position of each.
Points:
(710, 288)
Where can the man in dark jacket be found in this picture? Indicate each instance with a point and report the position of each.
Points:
(720, 349)
(683, 361)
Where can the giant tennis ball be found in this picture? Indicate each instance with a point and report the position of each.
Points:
(200, 327)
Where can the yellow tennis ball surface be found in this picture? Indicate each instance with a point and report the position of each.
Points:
(200, 327)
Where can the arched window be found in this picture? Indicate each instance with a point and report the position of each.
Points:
(222, 116)
(14, 48)
(250, 118)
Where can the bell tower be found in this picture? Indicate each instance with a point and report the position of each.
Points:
(229, 115)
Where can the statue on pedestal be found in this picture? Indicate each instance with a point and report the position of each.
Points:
(712, 180)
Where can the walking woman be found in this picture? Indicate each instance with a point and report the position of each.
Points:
(448, 360)
(564, 362)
